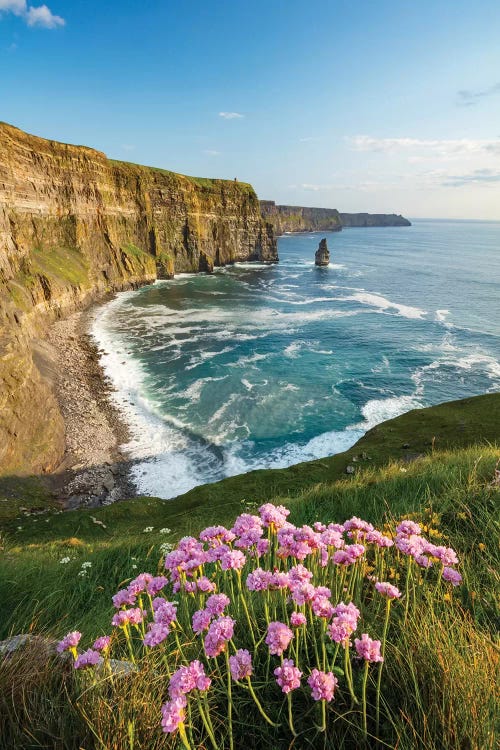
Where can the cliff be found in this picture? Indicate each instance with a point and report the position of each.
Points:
(74, 226)
(374, 220)
(300, 218)
(305, 219)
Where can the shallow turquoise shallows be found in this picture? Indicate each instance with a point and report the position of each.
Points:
(265, 366)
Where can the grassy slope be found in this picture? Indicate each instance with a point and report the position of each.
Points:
(37, 589)
(443, 665)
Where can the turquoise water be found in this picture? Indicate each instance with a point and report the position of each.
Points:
(265, 366)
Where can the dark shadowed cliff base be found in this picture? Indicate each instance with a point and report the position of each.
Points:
(75, 227)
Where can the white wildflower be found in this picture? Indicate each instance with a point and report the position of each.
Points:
(148, 529)
(64, 560)
(165, 548)
(134, 567)
(82, 573)
(165, 531)
(86, 565)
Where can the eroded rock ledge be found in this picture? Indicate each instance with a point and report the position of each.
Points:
(75, 226)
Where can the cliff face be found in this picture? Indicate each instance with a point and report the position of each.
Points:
(74, 226)
(302, 219)
(374, 220)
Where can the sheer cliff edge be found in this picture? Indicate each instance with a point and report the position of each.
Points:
(75, 226)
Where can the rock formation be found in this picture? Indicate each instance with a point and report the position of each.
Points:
(304, 219)
(74, 226)
(322, 256)
(300, 218)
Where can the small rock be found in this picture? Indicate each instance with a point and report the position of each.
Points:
(405, 445)
(322, 256)
(350, 470)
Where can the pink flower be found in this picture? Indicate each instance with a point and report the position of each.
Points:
(278, 637)
(205, 584)
(173, 713)
(368, 649)
(240, 664)
(446, 555)
(297, 619)
(388, 590)
(156, 585)
(344, 623)
(216, 604)
(302, 593)
(322, 685)
(102, 643)
(322, 606)
(247, 524)
(259, 580)
(407, 528)
(126, 616)
(189, 678)
(123, 597)
(299, 574)
(273, 515)
(69, 641)
(157, 633)
(217, 535)
(139, 584)
(375, 537)
(452, 576)
(279, 580)
(219, 633)
(201, 620)
(89, 658)
(233, 560)
(164, 612)
(288, 676)
(356, 524)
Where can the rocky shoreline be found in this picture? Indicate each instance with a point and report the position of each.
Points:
(94, 471)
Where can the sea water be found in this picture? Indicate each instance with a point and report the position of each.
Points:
(259, 366)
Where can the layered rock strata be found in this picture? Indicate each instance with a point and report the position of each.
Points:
(306, 219)
(75, 226)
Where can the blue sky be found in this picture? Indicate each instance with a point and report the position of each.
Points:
(364, 106)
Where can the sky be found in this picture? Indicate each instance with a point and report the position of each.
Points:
(387, 106)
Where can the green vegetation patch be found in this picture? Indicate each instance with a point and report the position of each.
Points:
(65, 264)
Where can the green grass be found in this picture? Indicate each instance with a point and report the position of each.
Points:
(65, 264)
(444, 664)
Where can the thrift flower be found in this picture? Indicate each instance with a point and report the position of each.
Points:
(297, 619)
(89, 658)
(157, 633)
(216, 604)
(368, 649)
(273, 515)
(278, 637)
(452, 576)
(102, 643)
(240, 664)
(69, 641)
(288, 676)
(219, 633)
(201, 620)
(388, 590)
(173, 713)
(322, 685)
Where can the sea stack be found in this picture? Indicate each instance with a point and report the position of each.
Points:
(322, 257)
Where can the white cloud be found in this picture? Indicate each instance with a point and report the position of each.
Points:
(443, 148)
(211, 152)
(18, 7)
(231, 115)
(316, 188)
(40, 15)
(43, 16)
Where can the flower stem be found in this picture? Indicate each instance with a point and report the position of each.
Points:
(290, 717)
(259, 705)
(382, 653)
(365, 680)
(229, 702)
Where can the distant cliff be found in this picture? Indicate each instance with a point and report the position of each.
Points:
(374, 220)
(306, 219)
(75, 225)
(300, 218)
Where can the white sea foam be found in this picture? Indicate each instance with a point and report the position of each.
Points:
(383, 304)
(379, 410)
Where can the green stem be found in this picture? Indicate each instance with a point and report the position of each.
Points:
(207, 724)
(382, 653)
(347, 670)
(365, 680)
(259, 705)
(229, 702)
(290, 717)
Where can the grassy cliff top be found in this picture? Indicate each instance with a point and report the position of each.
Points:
(44, 144)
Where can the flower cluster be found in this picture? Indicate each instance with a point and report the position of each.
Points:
(270, 598)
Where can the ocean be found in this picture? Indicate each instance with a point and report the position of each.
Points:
(264, 366)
